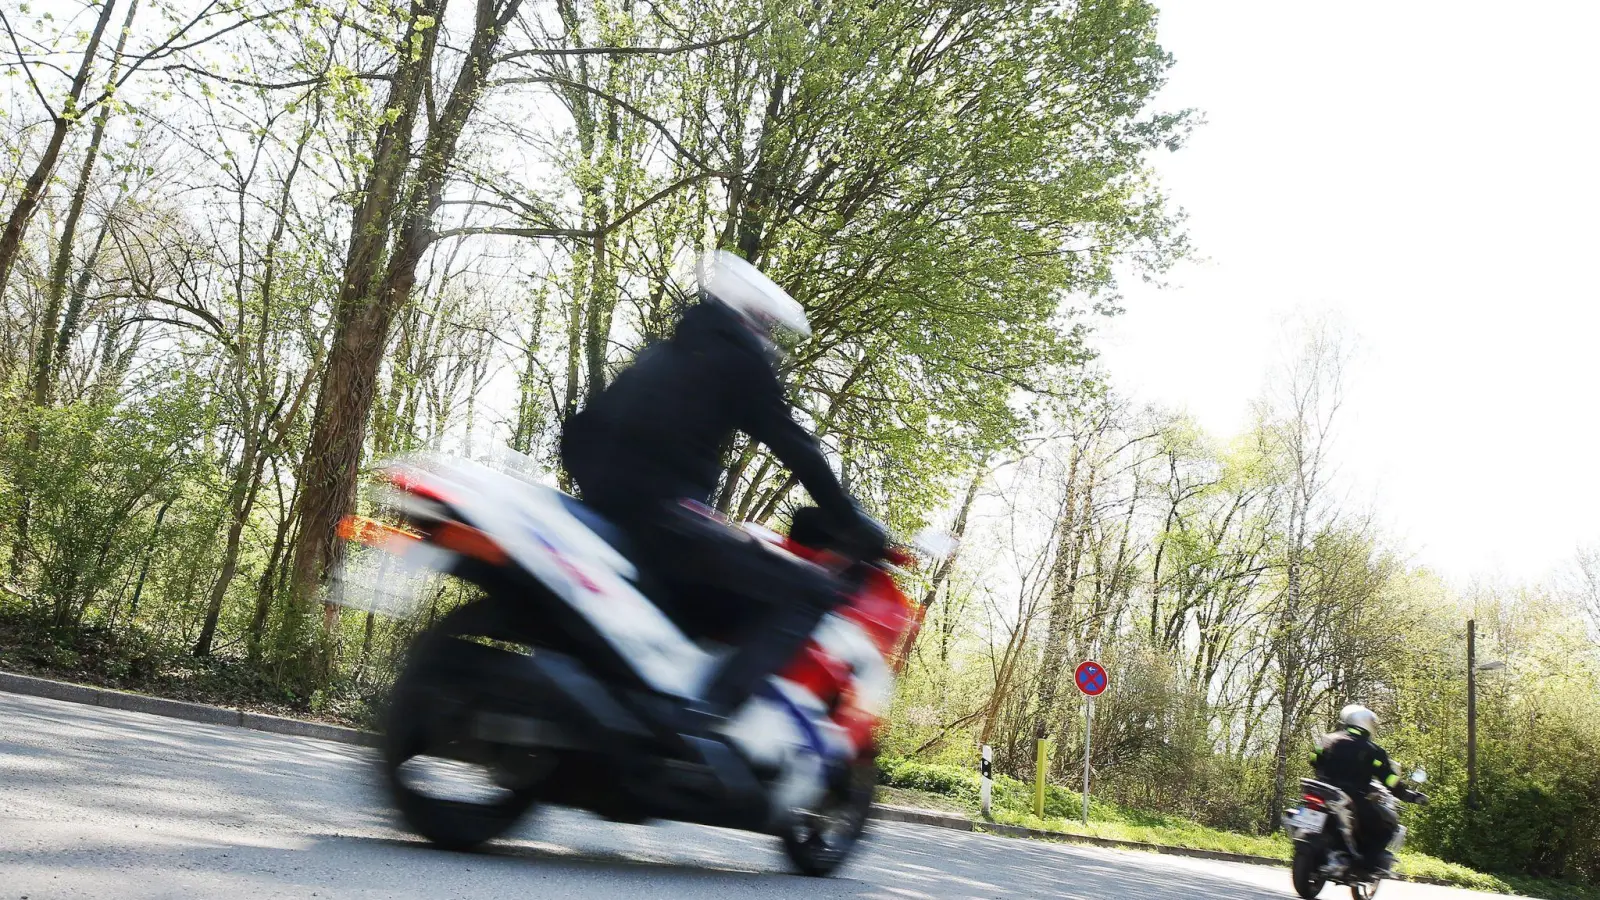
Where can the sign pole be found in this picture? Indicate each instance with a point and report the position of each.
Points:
(1088, 730)
(986, 787)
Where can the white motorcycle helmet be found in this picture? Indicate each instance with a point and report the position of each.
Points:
(1357, 716)
(765, 307)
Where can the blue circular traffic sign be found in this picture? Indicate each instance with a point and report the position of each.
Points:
(1092, 678)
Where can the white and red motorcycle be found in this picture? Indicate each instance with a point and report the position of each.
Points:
(560, 681)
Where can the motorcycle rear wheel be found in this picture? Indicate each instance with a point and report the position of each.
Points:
(819, 840)
(1308, 881)
(417, 727)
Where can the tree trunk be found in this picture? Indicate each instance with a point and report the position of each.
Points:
(730, 480)
(265, 589)
(778, 494)
(749, 218)
(345, 396)
(1002, 682)
(603, 279)
(53, 339)
(75, 303)
(958, 530)
(54, 336)
(11, 245)
(597, 327)
(946, 566)
(1161, 548)
(366, 646)
(1289, 661)
(575, 317)
(530, 402)
(752, 497)
(241, 500)
(1063, 594)
(144, 566)
(367, 303)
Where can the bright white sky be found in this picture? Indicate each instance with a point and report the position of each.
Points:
(1427, 172)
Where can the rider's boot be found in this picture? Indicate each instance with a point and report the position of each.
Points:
(1383, 864)
(1339, 864)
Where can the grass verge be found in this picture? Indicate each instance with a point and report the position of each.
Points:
(953, 789)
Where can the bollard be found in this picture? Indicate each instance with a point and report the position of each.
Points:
(986, 786)
(1041, 759)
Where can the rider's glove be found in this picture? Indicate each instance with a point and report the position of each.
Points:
(865, 536)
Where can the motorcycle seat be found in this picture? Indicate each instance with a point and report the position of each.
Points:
(613, 534)
(711, 614)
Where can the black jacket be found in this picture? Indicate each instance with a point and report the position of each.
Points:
(1350, 759)
(658, 431)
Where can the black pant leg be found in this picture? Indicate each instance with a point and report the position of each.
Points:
(721, 579)
(1372, 829)
(776, 640)
(786, 599)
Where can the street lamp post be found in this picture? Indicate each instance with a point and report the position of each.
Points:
(1472, 714)
(1472, 709)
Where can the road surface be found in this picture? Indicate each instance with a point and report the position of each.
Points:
(106, 804)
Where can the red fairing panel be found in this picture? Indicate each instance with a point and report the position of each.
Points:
(885, 615)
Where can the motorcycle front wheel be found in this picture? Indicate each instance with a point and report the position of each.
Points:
(1308, 880)
(819, 840)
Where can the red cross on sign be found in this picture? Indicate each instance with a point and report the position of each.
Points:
(1092, 678)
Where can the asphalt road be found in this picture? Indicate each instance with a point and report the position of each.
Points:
(108, 804)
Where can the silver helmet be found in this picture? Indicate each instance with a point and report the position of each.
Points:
(764, 306)
(1357, 716)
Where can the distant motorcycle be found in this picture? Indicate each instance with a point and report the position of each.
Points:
(1323, 829)
(562, 682)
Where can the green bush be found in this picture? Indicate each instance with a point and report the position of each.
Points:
(962, 784)
(1541, 828)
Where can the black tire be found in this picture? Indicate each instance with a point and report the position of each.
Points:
(820, 841)
(418, 723)
(1308, 881)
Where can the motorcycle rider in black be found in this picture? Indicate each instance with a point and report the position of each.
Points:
(647, 454)
(1351, 760)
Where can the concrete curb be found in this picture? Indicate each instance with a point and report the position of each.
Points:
(178, 709)
(960, 823)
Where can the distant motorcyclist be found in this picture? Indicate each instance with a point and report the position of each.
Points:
(647, 453)
(1351, 760)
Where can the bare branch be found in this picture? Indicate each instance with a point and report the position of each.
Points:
(635, 51)
(265, 85)
(611, 98)
(22, 60)
(170, 46)
(514, 231)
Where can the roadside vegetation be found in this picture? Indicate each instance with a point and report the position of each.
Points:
(951, 789)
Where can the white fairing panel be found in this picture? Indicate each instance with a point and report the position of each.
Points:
(844, 640)
(535, 529)
(767, 731)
